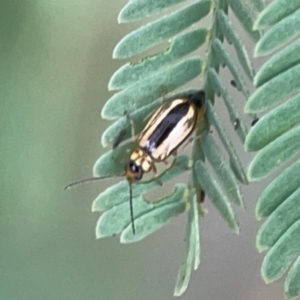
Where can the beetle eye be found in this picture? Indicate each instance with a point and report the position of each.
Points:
(133, 167)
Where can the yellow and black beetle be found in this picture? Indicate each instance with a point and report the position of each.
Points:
(169, 127)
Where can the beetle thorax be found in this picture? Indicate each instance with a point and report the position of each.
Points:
(142, 160)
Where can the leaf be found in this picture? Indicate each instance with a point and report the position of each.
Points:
(280, 256)
(233, 157)
(233, 38)
(279, 34)
(217, 196)
(107, 199)
(179, 46)
(153, 33)
(114, 220)
(273, 124)
(118, 218)
(292, 282)
(274, 12)
(224, 57)
(219, 88)
(112, 162)
(138, 9)
(151, 221)
(149, 89)
(279, 189)
(244, 15)
(274, 90)
(279, 63)
(274, 154)
(196, 237)
(286, 214)
(222, 170)
(186, 267)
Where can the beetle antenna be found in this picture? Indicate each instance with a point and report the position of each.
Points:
(131, 208)
(90, 179)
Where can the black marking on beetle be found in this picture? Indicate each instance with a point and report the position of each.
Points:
(167, 125)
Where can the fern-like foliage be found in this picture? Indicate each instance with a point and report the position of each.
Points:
(276, 137)
(140, 88)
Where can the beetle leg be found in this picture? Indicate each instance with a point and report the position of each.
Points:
(130, 121)
(153, 169)
(119, 139)
(122, 133)
(195, 138)
(174, 153)
(185, 167)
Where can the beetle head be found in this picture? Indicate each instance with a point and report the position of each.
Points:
(133, 171)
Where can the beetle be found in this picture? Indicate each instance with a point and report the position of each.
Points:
(169, 126)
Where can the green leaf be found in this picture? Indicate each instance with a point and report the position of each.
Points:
(117, 218)
(179, 47)
(274, 12)
(196, 237)
(279, 221)
(224, 57)
(186, 267)
(279, 189)
(235, 162)
(280, 256)
(217, 196)
(274, 90)
(112, 162)
(233, 38)
(222, 170)
(107, 199)
(151, 221)
(279, 34)
(149, 89)
(138, 9)
(273, 124)
(244, 14)
(153, 33)
(292, 282)
(274, 154)
(278, 63)
(234, 114)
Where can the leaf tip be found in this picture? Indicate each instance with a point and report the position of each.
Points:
(256, 24)
(117, 52)
(260, 248)
(178, 293)
(258, 214)
(237, 229)
(247, 108)
(98, 235)
(265, 277)
(251, 174)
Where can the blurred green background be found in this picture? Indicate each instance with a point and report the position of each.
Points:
(55, 65)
